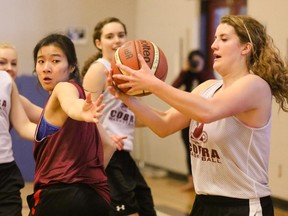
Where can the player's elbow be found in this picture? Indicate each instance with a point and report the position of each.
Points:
(162, 135)
(163, 132)
(205, 117)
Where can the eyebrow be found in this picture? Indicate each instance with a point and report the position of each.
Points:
(223, 34)
(53, 55)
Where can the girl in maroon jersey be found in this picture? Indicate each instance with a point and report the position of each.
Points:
(68, 151)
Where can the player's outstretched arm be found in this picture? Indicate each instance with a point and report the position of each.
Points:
(33, 111)
(79, 109)
(156, 120)
(18, 117)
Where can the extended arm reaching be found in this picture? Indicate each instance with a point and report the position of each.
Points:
(18, 117)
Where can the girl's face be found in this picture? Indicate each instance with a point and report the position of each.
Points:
(228, 51)
(112, 37)
(8, 61)
(52, 67)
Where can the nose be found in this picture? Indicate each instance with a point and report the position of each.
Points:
(8, 67)
(214, 45)
(46, 67)
(117, 39)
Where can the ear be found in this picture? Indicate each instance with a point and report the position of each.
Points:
(71, 69)
(246, 48)
(98, 44)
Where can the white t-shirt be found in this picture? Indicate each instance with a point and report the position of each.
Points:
(117, 117)
(6, 153)
(229, 158)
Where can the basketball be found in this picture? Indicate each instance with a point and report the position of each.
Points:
(127, 55)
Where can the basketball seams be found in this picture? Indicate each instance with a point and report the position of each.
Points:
(156, 58)
(136, 46)
(118, 61)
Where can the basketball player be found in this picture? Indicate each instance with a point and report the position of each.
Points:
(68, 151)
(130, 194)
(11, 112)
(9, 63)
(230, 119)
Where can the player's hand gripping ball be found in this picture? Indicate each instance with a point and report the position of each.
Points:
(127, 55)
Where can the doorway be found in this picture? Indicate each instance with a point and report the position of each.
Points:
(211, 13)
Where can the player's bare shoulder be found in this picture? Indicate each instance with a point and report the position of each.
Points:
(203, 86)
(96, 68)
(255, 83)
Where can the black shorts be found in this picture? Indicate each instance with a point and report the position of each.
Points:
(11, 182)
(129, 190)
(206, 205)
(67, 199)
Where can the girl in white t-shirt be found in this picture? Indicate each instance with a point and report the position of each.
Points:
(230, 119)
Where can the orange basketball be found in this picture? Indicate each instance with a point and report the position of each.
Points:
(127, 55)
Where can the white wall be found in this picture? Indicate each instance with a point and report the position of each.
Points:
(167, 23)
(274, 15)
(24, 23)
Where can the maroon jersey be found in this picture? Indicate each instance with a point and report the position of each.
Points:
(73, 154)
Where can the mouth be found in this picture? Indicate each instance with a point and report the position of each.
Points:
(47, 80)
(216, 57)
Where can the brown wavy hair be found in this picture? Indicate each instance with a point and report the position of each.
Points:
(265, 59)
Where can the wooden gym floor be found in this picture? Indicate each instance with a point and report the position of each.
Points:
(168, 197)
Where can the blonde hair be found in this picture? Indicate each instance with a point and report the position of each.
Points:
(5, 45)
(265, 59)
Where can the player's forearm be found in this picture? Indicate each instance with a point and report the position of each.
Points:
(33, 111)
(27, 131)
(75, 109)
(152, 118)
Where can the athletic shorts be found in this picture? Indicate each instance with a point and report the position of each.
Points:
(11, 182)
(129, 190)
(67, 199)
(206, 205)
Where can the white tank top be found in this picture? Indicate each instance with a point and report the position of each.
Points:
(117, 117)
(6, 154)
(229, 158)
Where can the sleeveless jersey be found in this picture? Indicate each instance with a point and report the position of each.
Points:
(117, 117)
(229, 158)
(73, 154)
(6, 154)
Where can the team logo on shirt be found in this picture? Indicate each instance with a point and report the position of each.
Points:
(3, 104)
(121, 115)
(197, 137)
(124, 107)
(198, 133)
